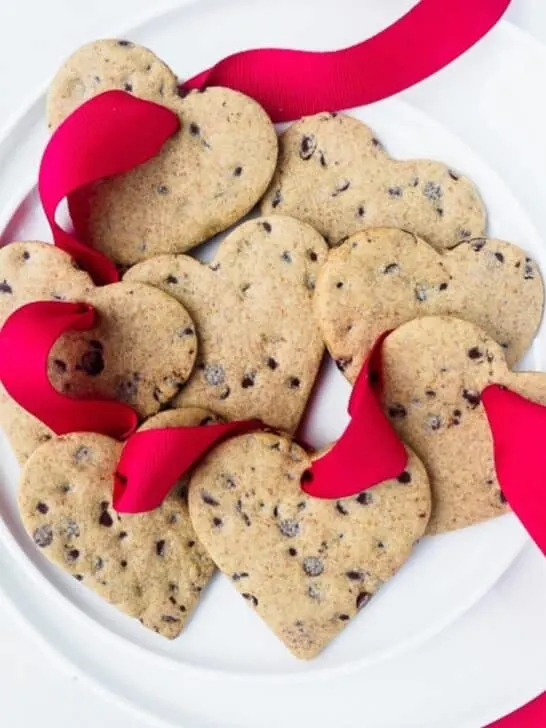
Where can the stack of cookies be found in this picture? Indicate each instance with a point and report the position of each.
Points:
(348, 243)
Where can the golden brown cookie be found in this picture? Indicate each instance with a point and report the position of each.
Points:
(206, 177)
(306, 565)
(379, 279)
(334, 174)
(149, 565)
(33, 271)
(259, 347)
(435, 369)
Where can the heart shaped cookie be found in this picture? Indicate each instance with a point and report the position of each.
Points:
(334, 174)
(435, 369)
(141, 352)
(33, 271)
(151, 565)
(259, 347)
(381, 278)
(306, 565)
(207, 176)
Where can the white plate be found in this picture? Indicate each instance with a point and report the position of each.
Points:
(226, 643)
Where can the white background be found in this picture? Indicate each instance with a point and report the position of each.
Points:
(35, 689)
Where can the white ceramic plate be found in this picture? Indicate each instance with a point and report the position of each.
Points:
(226, 644)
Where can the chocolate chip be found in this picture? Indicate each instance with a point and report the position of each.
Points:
(502, 497)
(99, 563)
(355, 575)
(169, 619)
(376, 142)
(65, 488)
(308, 146)
(43, 536)
(404, 477)
(277, 199)
(472, 397)
(105, 519)
(339, 284)
(453, 174)
(312, 255)
(433, 422)
(208, 499)
(194, 129)
(294, 383)
(463, 233)
(292, 551)
(443, 286)
(478, 244)
(214, 267)
(323, 162)
(397, 411)
(340, 508)
(289, 527)
(432, 191)
(171, 279)
(499, 257)
(364, 498)
(208, 420)
(415, 182)
(362, 599)
(128, 87)
(82, 453)
(126, 43)
(271, 363)
(312, 566)
(391, 268)
(163, 189)
(92, 362)
(238, 171)
(286, 257)
(26, 255)
(225, 394)
(474, 353)
(430, 393)
(344, 617)
(529, 271)
(5, 287)
(123, 564)
(160, 547)
(250, 598)
(214, 374)
(395, 192)
(340, 187)
(78, 577)
(217, 522)
(239, 575)
(190, 544)
(361, 211)
(248, 380)
(42, 507)
(267, 226)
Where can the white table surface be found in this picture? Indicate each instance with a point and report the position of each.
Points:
(37, 689)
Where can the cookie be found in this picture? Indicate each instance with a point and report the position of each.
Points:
(435, 369)
(149, 565)
(206, 177)
(33, 271)
(334, 174)
(306, 565)
(259, 347)
(379, 279)
(141, 352)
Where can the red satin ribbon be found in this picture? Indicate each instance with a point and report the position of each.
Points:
(369, 451)
(518, 427)
(292, 83)
(26, 339)
(153, 460)
(110, 134)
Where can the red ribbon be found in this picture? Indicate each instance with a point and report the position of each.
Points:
(26, 339)
(292, 83)
(110, 134)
